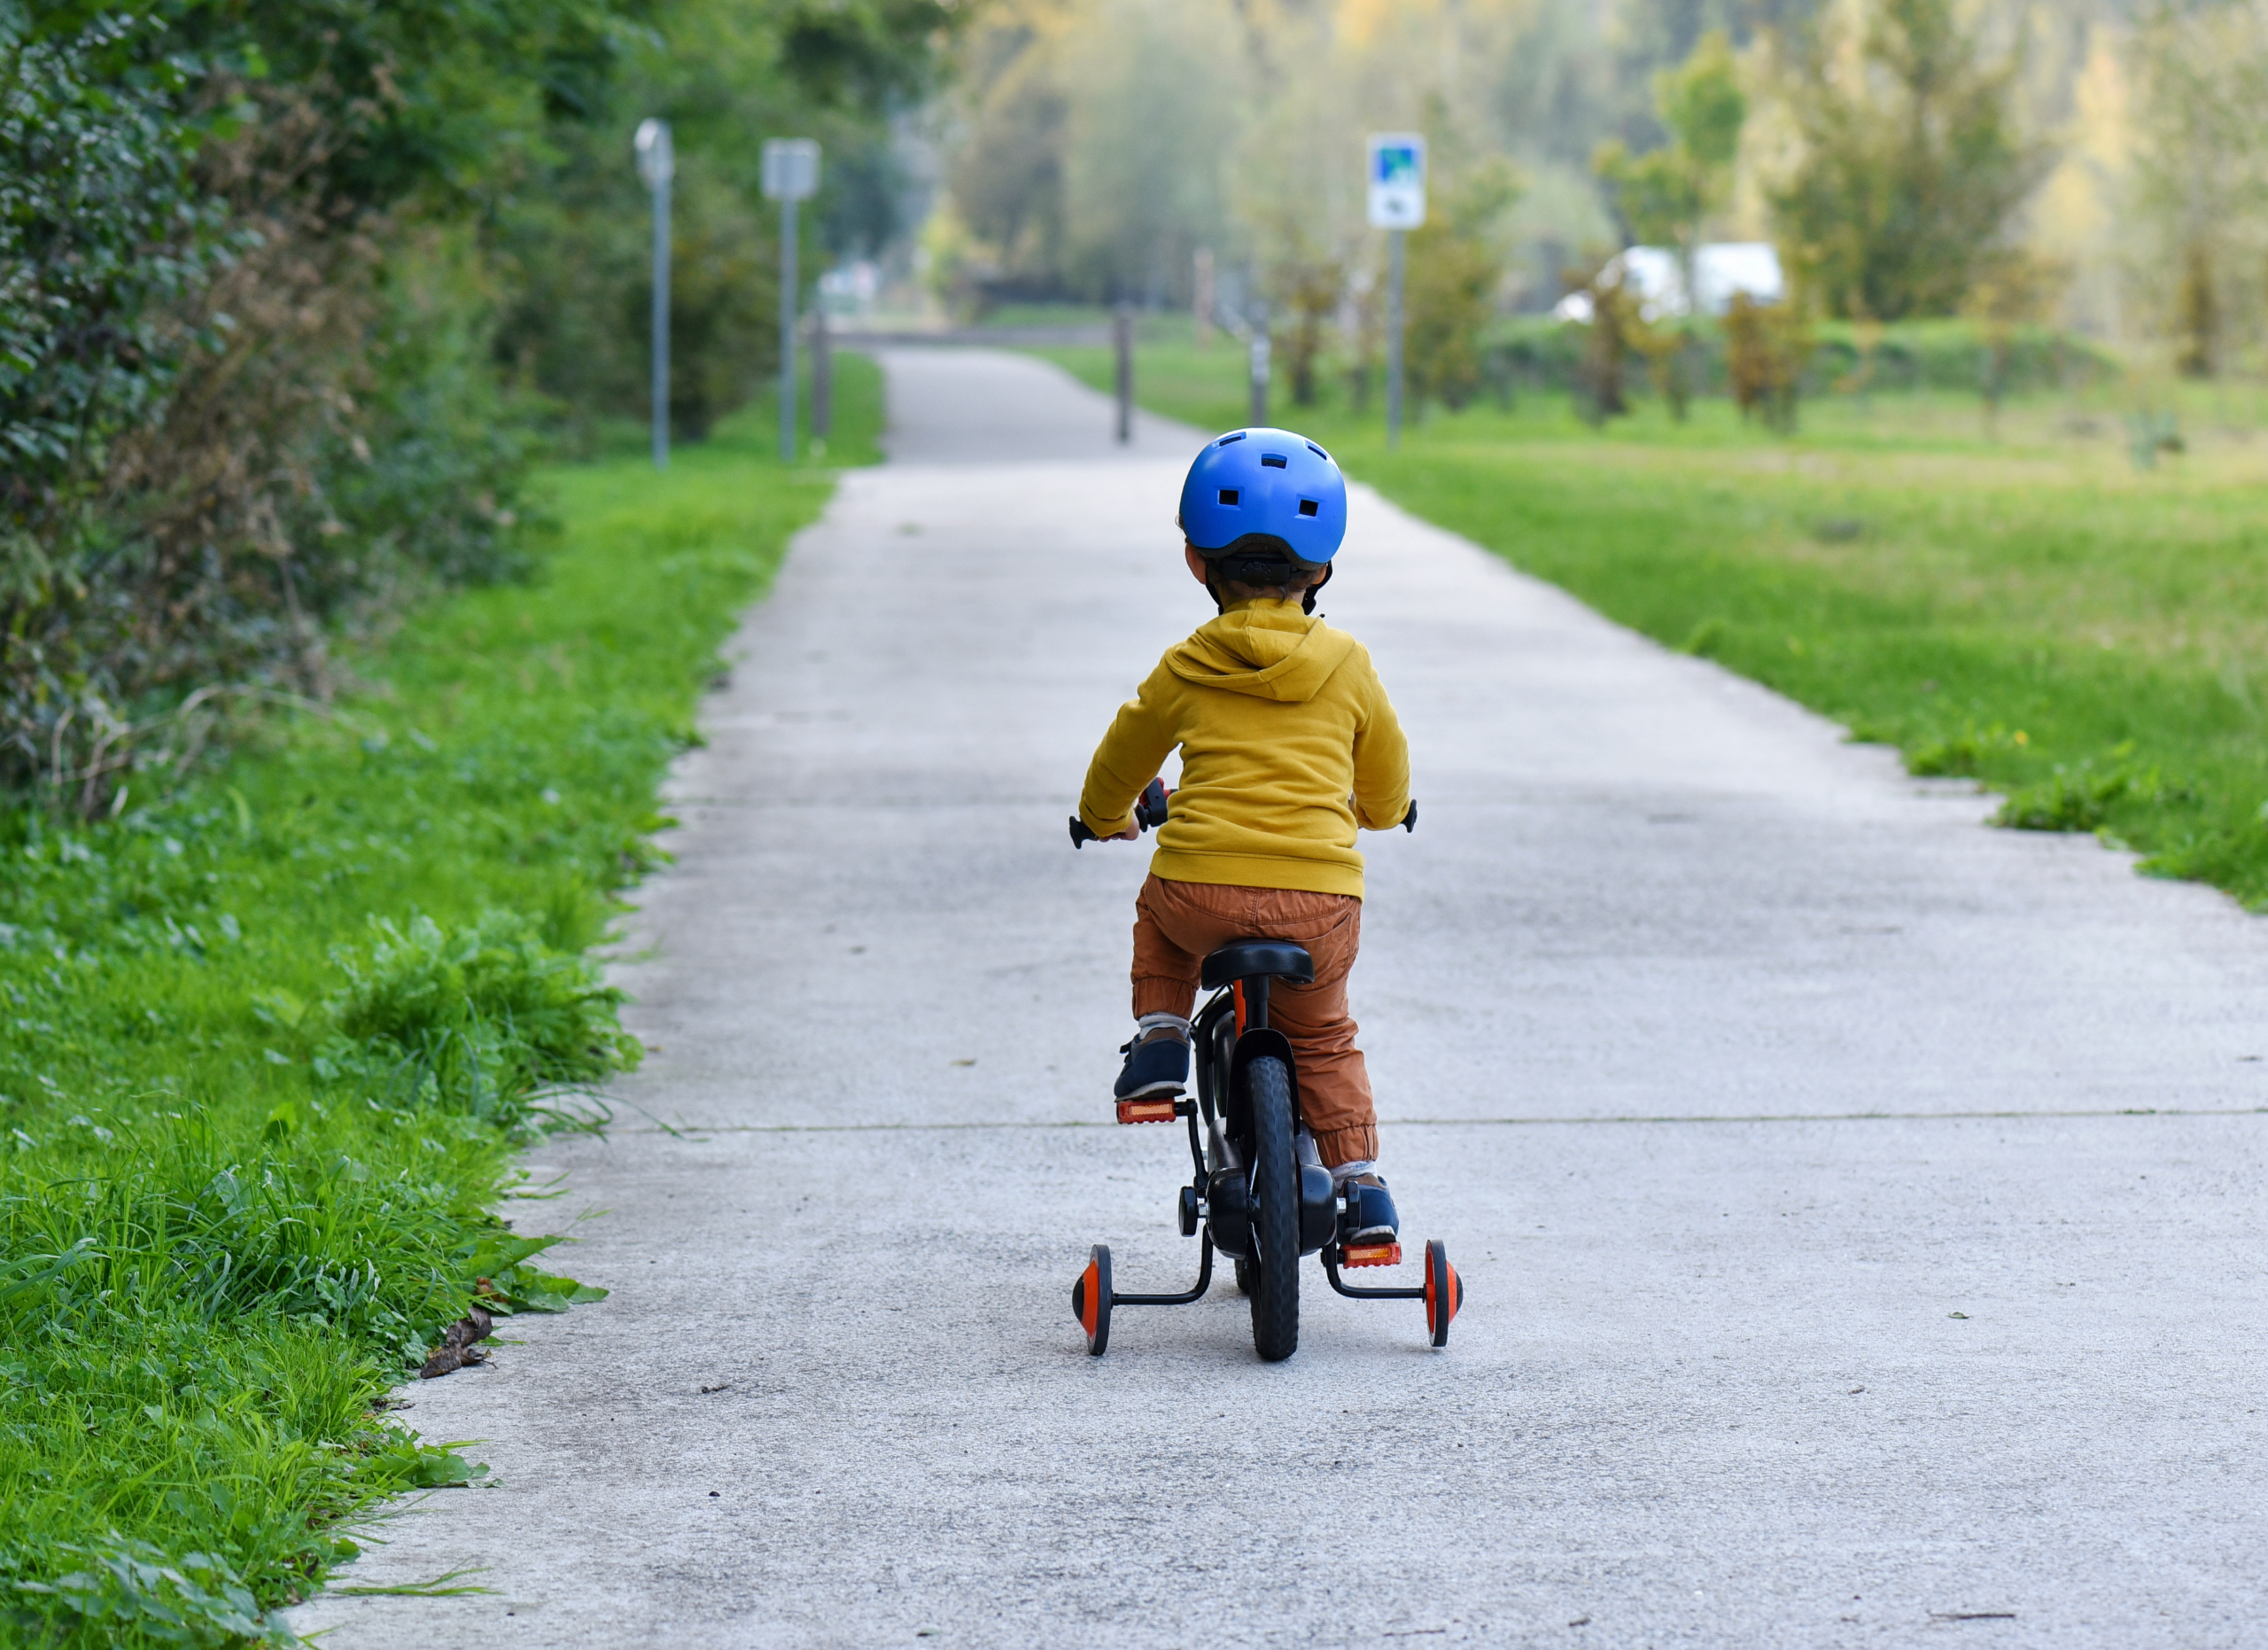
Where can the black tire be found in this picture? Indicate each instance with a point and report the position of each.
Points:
(1275, 1212)
(1244, 1276)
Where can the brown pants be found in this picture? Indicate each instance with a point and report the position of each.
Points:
(1177, 923)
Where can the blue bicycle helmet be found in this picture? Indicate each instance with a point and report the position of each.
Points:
(1264, 485)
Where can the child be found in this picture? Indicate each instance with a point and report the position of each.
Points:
(1288, 745)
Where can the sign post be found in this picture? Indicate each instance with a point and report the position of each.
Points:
(656, 165)
(1258, 367)
(1397, 204)
(1122, 338)
(790, 175)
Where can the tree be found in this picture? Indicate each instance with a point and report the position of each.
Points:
(2200, 176)
(1911, 169)
(1663, 195)
(1155, 106)
(1766, 348)
(1456, 264)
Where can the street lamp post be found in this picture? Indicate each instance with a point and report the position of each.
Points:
(657, 165)
(790, 175)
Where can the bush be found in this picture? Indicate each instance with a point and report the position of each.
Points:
(485, 1022)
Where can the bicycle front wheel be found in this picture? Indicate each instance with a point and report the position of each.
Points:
(1275, 1285)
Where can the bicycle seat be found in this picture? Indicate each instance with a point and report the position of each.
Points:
(1247, 959)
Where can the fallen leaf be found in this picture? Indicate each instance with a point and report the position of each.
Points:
(460, 1344)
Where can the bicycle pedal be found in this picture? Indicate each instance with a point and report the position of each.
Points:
(1370, 1255)
(1154, 1108)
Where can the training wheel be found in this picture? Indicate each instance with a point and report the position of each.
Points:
(1444, 1290)
(1091, 1300)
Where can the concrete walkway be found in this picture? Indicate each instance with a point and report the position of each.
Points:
(1860, 1207)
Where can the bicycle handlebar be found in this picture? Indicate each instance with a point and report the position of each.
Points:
(1150, 810)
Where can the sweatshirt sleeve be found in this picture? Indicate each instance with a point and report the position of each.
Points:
(1141, 737)
(1381, 762)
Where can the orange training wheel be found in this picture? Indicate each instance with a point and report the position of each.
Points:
(1091, 1300)
(1444, 1291)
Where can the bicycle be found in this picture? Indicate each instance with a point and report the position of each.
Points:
(1261, 1193)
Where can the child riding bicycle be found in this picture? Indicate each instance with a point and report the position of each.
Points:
(1288, 746)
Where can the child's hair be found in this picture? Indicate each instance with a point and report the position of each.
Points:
(1297, 577)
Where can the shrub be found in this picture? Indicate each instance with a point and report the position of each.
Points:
(485, 1022)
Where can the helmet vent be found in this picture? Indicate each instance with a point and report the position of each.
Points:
(1319, 452)
(1309, 506)
(1272, 461)
(1224, 440)
(1228, 496)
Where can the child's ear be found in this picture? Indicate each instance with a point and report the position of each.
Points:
(1196, 564)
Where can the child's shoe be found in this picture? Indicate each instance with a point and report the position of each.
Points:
(1157, 1063)
(1371, 1217)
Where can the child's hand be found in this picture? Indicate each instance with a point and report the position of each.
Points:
(1132, 833)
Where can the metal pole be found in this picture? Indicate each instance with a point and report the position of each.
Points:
(822, 374)
(1201, 298)
(661, 388)
(1393, 239)
(1121, 334)
(787, 330)
(1260, 353)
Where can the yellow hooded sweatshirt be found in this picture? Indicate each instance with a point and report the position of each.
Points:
(1287, 744)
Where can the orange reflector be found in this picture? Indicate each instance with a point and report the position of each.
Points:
(1146, 1111)
(1371, 1255)
(1086, 1299)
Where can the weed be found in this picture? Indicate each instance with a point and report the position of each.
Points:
(483, 1022)
(267, 1047)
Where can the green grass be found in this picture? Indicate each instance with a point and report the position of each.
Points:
(267, 1047)
(2015, 602)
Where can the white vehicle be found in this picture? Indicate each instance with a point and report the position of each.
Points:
(1721, 269)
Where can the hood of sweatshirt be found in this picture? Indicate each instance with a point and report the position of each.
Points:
(1269, 649)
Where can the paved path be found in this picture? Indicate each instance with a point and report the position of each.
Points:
(1825, 1289)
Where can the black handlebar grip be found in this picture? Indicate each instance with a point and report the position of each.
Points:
(1080, 835)
(1150, 807)
(1409, 819)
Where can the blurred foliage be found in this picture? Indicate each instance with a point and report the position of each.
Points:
(291, 291)
(1767, 348)
(1097, 145)
(1912, 167)
(1664, 196)
(2199, 196)
(1455, 264)
(730, 73)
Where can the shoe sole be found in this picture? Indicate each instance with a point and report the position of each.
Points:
(1169, 1086)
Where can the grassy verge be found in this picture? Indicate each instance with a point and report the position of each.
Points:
(2017, 603)
(267, 1045)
